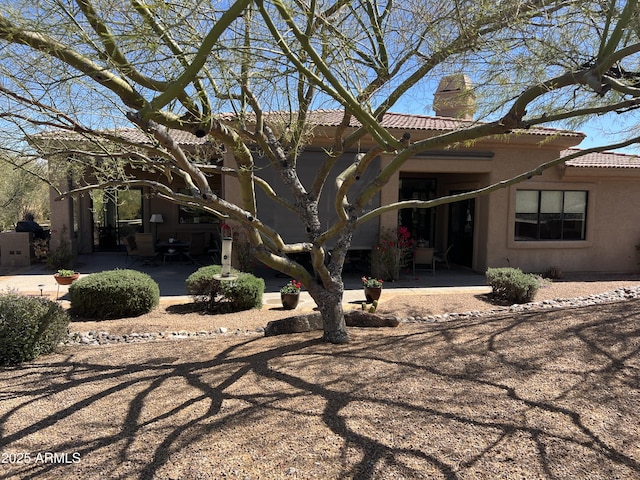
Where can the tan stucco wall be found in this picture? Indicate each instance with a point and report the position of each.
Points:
(62, 222)
(613, 226)
(388, 195)
(613, 215)
(497, 249)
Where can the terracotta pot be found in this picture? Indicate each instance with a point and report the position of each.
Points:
(372, 293)
(289, 300)
(66, 280)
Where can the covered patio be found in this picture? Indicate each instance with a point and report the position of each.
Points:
(38, 279)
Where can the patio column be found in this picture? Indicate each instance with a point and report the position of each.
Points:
(389, 194)
(62, 224)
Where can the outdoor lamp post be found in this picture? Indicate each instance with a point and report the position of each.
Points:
(156, 218)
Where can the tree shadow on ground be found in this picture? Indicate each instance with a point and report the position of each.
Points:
(539, 395)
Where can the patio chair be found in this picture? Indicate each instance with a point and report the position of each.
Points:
(132, 248)
(145, 248)
(424, 256)
(443, 257)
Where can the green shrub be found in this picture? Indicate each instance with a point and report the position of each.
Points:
(553, 273)
(29, 327)
(222, 296)
(114, 294)
(512, 285)
(61, 256)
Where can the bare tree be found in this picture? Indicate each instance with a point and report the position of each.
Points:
(249, 75)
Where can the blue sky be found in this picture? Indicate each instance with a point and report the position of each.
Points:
(603, 130)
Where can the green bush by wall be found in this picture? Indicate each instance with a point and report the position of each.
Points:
(244, 293)
(512, 285)
(114, 294)
(29, 327)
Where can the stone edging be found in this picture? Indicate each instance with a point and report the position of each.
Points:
(618, 295)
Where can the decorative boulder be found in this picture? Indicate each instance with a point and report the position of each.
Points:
(358, 318)
(297, 324)
(313, 321)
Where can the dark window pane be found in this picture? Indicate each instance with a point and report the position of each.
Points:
(550, 226)
(574, 227)
(526, 226)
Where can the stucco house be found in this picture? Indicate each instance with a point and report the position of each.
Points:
(580, 216)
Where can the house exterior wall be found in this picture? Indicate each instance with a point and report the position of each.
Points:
(498, 248)
(284, 221)
(62, 217)
(613, 214)
(613, 211)
(491, 214)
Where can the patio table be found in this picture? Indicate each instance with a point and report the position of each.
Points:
(171, 250)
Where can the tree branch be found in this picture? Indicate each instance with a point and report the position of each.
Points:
(491, 188)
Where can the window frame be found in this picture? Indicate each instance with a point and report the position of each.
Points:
(509, 232)
(562, 216)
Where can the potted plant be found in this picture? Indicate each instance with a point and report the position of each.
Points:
(372, 288)
(290, 294)
(66, 277)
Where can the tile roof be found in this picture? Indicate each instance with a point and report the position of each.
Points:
(327, 118)
(407, 121)
(603, 160)
(132, 135)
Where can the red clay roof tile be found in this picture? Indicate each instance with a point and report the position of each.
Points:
(603, 160)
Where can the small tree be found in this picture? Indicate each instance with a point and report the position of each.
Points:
(61, 256)
(391, 254)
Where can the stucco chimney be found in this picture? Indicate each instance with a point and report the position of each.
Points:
(455, 98)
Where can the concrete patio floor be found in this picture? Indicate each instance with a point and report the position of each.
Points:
(37, 279)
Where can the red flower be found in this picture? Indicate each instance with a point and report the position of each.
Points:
(293, 286)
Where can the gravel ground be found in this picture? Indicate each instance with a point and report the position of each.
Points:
(171, 318)
(544, 394)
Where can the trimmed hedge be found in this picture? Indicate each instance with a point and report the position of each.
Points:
(29, 327)
(512, 285)
(114, 294)
(225, 296)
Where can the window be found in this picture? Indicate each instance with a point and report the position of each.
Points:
(551, 215)
(194, 214)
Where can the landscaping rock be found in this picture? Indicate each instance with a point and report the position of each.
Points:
(354, 318)
(313, 321)
(359, 318)
(297, 324)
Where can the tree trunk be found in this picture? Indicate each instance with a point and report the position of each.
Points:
(330, 306)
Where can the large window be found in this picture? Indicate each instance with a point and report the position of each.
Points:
(551, 215)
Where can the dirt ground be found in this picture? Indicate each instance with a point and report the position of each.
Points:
(541, 395)
(175, 317)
